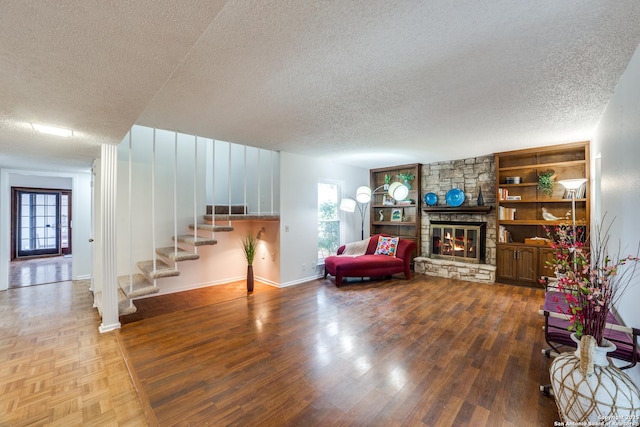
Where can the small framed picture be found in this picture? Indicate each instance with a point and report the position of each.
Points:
(396, 215)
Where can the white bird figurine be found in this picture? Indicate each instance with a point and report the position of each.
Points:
(548, 215)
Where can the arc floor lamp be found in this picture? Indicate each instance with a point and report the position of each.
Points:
(396, 191)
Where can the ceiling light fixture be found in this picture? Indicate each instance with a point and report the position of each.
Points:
(52, 130)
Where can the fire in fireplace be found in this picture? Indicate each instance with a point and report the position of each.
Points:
(459, 241)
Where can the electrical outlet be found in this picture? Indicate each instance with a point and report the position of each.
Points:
(304, 267)
(286, 228)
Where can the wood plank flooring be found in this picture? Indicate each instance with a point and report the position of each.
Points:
(423, 352)
(56, 369)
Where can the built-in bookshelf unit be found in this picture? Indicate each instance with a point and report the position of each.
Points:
(396, 217)
(523, 210)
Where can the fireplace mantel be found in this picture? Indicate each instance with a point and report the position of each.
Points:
(457, 210)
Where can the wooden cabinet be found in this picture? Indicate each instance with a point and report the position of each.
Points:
(544, 255)
(518, 263)
(396, 217)
(524, 212)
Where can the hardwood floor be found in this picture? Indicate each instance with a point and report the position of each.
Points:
(56, 369)
(428, 351)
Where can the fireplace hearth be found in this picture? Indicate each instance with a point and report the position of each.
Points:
(458, 241)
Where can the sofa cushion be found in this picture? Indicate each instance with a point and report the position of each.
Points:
(387, 246)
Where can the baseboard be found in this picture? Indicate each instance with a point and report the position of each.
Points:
(109, 328)
(300, 281)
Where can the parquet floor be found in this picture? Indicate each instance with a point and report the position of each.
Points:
(56, 369)
(38, 271)
(424, 352)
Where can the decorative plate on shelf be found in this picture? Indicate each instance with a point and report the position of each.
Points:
(455, 197)
(431, 199)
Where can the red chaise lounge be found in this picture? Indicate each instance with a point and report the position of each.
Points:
(370, 265)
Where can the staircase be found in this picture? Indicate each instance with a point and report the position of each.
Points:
(143, 283)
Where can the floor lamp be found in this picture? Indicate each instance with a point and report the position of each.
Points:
(397, 191)
(349, 205)
(572, 185)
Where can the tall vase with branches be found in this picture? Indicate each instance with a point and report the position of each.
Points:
(593, 280)
(249, 243)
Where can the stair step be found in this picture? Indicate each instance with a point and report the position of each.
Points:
(182, 255)
(188, 239)
(123, 303)
(141, 285)
(97, 301)
(124, 306)
(246, 217)
(212, 227)
(224, 209)
(162, 269)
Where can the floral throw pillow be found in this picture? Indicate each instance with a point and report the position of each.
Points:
(387, 246)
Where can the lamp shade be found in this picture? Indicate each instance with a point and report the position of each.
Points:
(398, 191)
(348, 205)
(363, 194)
(572, 184)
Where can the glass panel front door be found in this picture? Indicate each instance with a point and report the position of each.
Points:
(38, 219)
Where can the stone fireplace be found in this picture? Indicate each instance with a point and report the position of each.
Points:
(459, 242)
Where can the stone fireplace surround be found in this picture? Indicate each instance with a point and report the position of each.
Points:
(469, 175)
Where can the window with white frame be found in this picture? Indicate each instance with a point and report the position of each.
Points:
(328, 219)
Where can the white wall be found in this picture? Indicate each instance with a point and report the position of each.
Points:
(617, 143)
(80, 184)
(299, 176)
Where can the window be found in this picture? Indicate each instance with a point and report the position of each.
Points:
(328, 219)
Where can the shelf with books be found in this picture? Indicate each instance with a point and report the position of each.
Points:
(396, 217)
(523, 212)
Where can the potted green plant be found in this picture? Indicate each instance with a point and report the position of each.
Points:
(249, 243)
(406, 177)
(546, 180)
(387, 181)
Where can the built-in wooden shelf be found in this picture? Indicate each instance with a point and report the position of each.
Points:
(457, 209)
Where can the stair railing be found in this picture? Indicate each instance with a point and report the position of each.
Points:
(213, 187)
(229, 187)
(130, 213)
(175, 200)
(195, 193)
(153, 208)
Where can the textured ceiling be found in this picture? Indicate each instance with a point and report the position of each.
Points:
(370, 83)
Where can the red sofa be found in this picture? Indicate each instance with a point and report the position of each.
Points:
(370, 265)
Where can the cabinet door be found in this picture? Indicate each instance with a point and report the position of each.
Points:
(544, 255)
(527, 264)
(506, 259)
